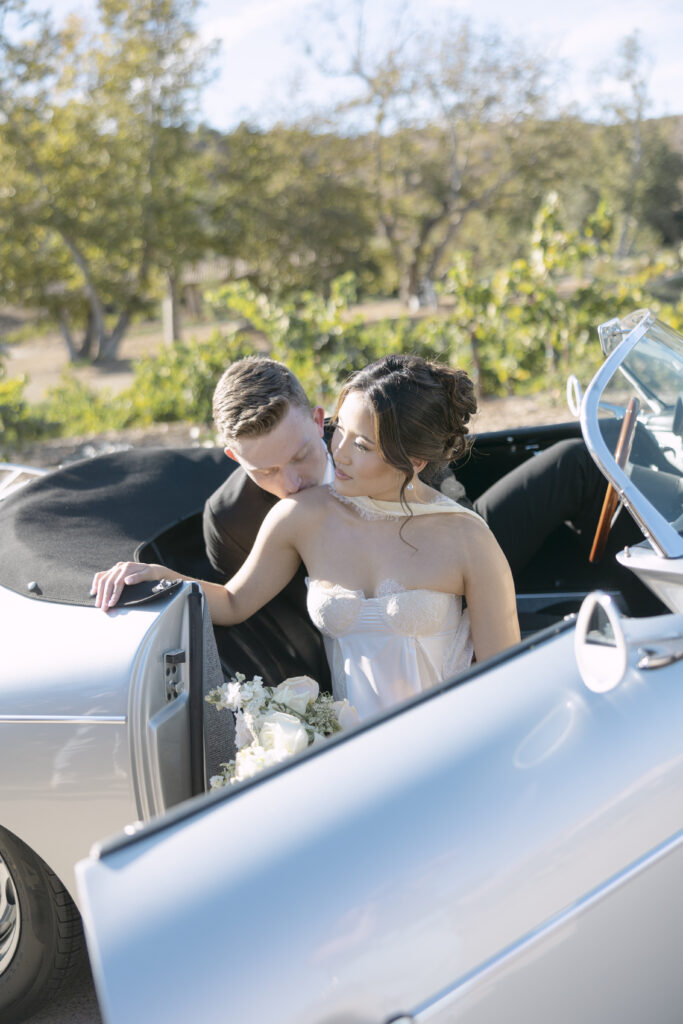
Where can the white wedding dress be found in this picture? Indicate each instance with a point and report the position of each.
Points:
(391, 646)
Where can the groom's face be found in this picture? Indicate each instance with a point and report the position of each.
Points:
(290, 457)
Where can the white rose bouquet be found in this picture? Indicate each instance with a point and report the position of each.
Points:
(275, 722)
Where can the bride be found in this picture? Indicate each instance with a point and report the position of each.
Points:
(391, 561)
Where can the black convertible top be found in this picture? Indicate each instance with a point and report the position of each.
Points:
(60, 529)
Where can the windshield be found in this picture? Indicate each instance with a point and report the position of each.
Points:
(642, 380)
(655, 367)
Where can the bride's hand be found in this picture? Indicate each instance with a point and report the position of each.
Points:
(108, 584)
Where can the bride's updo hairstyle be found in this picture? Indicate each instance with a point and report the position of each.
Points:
(421, 411)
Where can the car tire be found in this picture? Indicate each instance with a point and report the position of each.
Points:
(41, 934)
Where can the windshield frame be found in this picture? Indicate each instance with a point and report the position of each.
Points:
(658, 531)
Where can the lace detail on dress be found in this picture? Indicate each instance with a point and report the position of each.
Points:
(332, 608)
(389, 586)
(374, 508)
(413, 612)
(363, 512)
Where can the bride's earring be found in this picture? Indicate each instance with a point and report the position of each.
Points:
(410, 486)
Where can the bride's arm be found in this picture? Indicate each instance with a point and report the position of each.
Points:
(490, 593)
(270, 565)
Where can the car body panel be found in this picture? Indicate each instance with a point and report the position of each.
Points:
(603, 959)
(85, 724)
(400, 862)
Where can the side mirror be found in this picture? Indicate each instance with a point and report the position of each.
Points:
(607, 644)
(600, 643)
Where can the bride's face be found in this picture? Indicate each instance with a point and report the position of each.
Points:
(359, 468)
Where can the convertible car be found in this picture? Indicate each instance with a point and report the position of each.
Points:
(507, 846)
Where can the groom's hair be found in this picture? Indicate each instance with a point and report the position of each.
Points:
(253, 396)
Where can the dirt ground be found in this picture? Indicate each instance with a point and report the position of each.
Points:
(42, 361)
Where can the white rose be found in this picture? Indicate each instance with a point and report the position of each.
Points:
(249, 761)
(347, 716)
(296, 693)
(272, 757)
(283, 734)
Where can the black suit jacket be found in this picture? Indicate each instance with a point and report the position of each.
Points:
(279, 640)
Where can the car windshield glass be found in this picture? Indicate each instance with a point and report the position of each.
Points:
(649, 385)
(655, 366)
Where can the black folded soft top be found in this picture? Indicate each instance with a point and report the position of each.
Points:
(58, 530)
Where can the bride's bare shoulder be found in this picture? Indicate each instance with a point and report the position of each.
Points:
(303, 504)
(480, 547)
(461, 534)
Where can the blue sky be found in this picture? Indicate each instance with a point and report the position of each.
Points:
(264, 74)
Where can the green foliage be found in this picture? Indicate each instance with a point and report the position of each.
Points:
(533, 319)
(315, 336)
(523, 327)
(292, 204)
(18, 422)
(177, 384)
(520, 328)
(174, 386)
(73, 409)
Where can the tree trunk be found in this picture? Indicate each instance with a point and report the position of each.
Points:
(170, 313)
(65, 328)
(96, 307)
(109, 344)
(86, 349)
(409, 291)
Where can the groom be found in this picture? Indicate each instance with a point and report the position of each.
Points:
(268, 427)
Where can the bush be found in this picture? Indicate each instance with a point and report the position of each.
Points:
(518, 329)
(18, 422)
(178, 383)
(174, 386)
(73, 408)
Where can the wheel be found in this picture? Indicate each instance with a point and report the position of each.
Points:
(621, 455)
(41, 935)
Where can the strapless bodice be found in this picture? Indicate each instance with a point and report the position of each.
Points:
(388, 647)
(335, 610)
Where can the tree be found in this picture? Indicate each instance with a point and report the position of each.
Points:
(441, 114)
(105, 187)
(645, 171)
(290, 205)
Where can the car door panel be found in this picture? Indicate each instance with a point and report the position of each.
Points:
(612, 956)
(400, 860)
